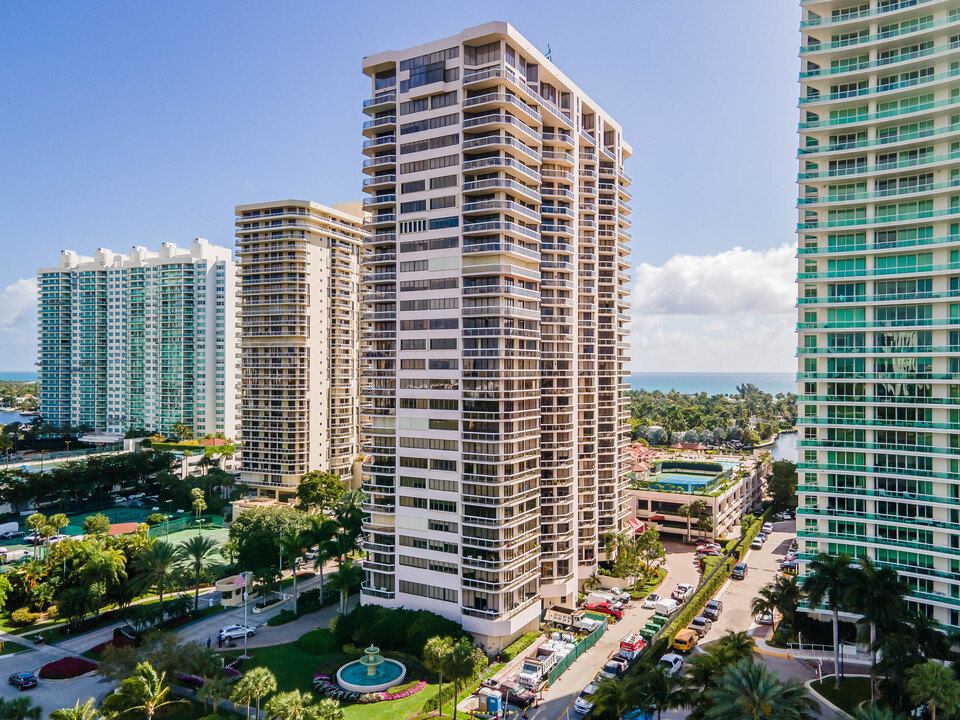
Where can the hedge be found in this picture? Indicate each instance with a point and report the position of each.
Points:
(518, 646)
(192, 447)
(394, 629)
(691, 465)
(695, 605)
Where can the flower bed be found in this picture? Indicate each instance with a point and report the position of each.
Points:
(121, 641)
(325, 686)
(194, 681)
(64, 668)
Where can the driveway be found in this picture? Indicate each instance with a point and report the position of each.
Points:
(50, 695)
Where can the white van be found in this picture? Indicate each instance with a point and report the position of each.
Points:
(666, 607)
(601, 597)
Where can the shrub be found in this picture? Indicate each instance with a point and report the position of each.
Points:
(117, 641)
(518, 646)
(22, 617)
(68, 667)
(156, 519)
(317, 641)
(282, 618)
(393, 629)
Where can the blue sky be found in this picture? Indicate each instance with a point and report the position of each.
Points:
(139, 123)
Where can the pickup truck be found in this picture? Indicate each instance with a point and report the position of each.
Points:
(536, 667)
(511, 692)
(606, 608)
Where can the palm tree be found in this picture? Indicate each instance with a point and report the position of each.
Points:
(748, 691)
(661, 687)
(616, 696)
(321, 530)
(435, 650)
(145, 691)
(460, 664)
(344, 580)
(59, 521)
(87, 711)
(697, 509)
(781, 596)
(158, 563)
(293, 705)
(291, 545)
(738, 644)
(214, 689)
(878, 594)
(35, 522)
(828, 579)
(935, 686)
(329, 709)
(872, 712)
(684, 512)
(197, 553)
(255, 684)
(102, 567)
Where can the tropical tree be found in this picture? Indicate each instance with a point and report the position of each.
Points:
(705, 525)
(935, 686)
(197, 502)
(77, 602)
(255, 684)
(738, 644)
(35, 522)
(214, 689)
(20, 708)
(292, 542)
(196, 554)
(662, 688)
(181, 431)
(98, 524)
(157, 564)
(828, 579)
(146, 692)
(617, 696)
(749, 691)
(179, 606)
(345, 579)
(877, 593)
(435, 650)
(293, 705)
(697, 509)
(782, 596)
(684, 512)
(59, 521)
(873, 712)
(319, 532)
(319, 490)
(329, 709)
(460, 665)
(101, 568)
(87, 711)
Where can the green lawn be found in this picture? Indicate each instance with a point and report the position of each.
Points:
(848, 696)
(9, 647)
(190, 709)
(295, 663)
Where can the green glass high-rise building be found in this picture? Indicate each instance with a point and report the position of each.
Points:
(879, 290)
(144, 340)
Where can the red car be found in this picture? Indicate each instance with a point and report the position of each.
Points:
(605, 608)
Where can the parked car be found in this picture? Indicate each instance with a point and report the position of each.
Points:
(11, 534)
(756, 544)
(613, 669)
(666, 607)
(606, 608)
(584, 703)
(711, 552)
(767, 528)
(712, 609)
(34, 540)
(651, 601)
(136, 503)
(739, 571)
(672, 662)
(762, 536)
(686, 640)
(683, 591)
(236, 632)
(23, 680)
(701, 624)
(765, 618)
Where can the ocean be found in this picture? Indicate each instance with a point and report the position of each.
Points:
(19, 375)
(713, 383)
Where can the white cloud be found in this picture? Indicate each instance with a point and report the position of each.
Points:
(733, 311)
(18, 325)
(734, 282)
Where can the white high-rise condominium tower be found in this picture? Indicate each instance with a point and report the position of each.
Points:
(879, 290)
(299, 292)
(495, 331)
(139, 341)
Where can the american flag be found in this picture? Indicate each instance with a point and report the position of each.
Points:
(241, 581)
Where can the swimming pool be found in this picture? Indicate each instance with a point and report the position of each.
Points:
(684, 481)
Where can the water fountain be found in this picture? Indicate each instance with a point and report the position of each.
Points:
(371, 673)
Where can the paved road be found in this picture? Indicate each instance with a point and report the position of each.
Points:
(558, 700)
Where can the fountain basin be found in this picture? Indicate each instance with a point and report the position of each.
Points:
(356, 677)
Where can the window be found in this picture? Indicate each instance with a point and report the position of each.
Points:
(444, 364)
(430, 123)
(441, 203)
(413, 364)
(413, 206)
(413, 106)
(443, 506)
(431, 304)
(429, 164)
(413, 482)
(415, 186)
(483, 54)
(413, 266)
(413, 226)
(414, 344)
(449, 222)
(441, 526)
(444, 99)
(429, 144)
(443, 182)
(433, 244)
(411, 588)
(443, 344)
(444, 425)
(413, 502)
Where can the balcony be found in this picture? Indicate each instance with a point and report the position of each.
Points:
(379, 103)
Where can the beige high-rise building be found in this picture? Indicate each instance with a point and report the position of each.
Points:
(299, 266)
(495, 331)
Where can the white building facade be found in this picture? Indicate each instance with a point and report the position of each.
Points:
(139, 341)
(495, 331)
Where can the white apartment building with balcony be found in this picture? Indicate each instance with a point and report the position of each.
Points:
(495, 293)
(299, 280)
(879, 290)
(139, 341)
